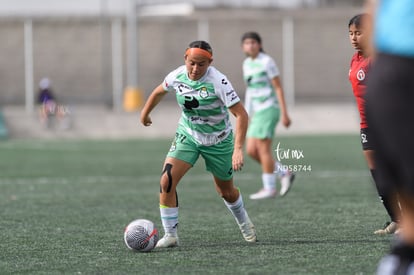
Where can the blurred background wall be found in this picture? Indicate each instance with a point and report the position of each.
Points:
(82, 46)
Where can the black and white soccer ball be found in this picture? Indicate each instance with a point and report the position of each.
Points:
(141, 235)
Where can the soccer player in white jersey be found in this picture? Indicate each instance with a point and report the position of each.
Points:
(205, 95)
(265, 103)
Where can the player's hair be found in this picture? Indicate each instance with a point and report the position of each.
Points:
(254, 36)
(357, 20)
(201, 45)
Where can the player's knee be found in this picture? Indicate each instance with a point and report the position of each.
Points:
(251, 151)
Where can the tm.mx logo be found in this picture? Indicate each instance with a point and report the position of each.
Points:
(282, 153)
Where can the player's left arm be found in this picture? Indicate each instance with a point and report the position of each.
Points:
(240, 134)
(276, 83)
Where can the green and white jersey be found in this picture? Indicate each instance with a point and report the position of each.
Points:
(258, 74)
(204, 104)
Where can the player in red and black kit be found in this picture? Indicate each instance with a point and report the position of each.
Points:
(360, 65)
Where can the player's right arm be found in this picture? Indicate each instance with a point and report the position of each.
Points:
(155, 97)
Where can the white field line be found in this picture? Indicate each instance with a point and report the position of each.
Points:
(155, 178)
(38, 146)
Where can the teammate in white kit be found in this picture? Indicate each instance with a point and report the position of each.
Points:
(205, 95)
(265, 103)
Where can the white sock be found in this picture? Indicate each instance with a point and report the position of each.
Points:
(237, 209)
(269, 181)
(169, 219)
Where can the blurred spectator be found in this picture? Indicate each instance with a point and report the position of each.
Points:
(50, 110)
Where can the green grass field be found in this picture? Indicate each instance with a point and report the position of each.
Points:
(64, 206)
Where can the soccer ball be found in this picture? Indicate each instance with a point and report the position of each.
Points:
(141, 235)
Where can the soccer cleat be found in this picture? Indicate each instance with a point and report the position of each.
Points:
(264, 194)
(398, 231)
(389, 228)
(393, 264)
(399, 261)
(168, 241)
(248, 231)
(286, 182)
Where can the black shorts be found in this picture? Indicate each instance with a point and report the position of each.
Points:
(390, 116)
(366, 139)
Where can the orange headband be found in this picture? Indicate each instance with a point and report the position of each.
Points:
(199, 52)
